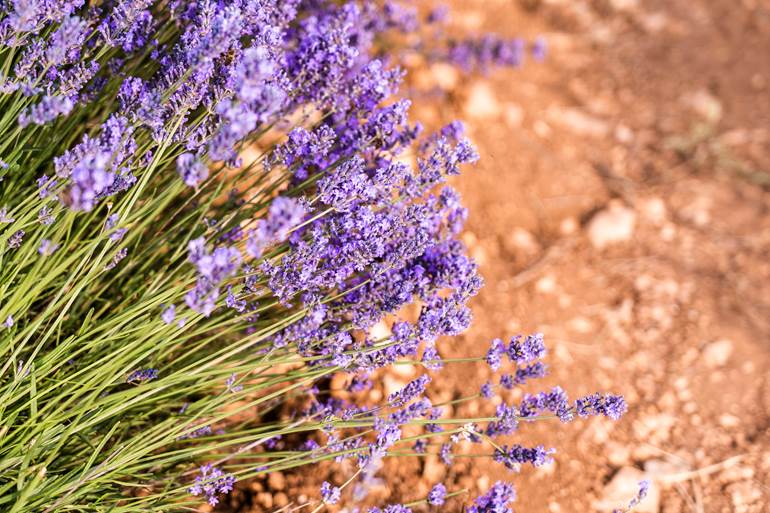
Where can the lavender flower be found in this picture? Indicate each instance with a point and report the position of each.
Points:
(523, 374)
(212, 267)
(409, 392)
(192, 170)
(46, 110)
(65, 41)
(330, 494)
(196, 433)
(47, 248)
(496, 500)
(283, 215)
(437, 495)
(485, 52)
(431, 359)
(44, 216)
(539, 49)
(495, 352)
(14, 241)
(487, 390)
(116, 259)
(8, 322)
(4, 217)
(612, 406)
(445, 454)
(230, 384)
(555, 402)
(90, 178)
(391, 508)
(528, 350)
(168, 314)
(142, 376)
(45, 184)
(212, 482)
(516, 455)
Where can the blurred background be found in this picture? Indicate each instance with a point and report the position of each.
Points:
(620, 206)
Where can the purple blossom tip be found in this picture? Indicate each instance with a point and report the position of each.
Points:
(330, 494)
(437, 495)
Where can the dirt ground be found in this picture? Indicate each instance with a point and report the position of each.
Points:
(621, 207)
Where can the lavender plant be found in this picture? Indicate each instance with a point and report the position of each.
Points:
(205, 208)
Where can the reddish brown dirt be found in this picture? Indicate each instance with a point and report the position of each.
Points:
(655, 112)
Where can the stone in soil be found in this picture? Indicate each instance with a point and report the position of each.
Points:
(613, 225)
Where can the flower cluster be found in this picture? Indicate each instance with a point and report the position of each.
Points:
(227, 190)
(212, 482)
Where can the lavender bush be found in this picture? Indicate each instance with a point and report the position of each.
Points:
(205, 207)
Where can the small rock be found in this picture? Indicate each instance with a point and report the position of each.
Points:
(705, 104)
(434, 470)
(265, 499)
(654, 22)
(546, 284)
(654, 211)
(733, 474)
(744, 495)
(623, 134)
(729, 421)
(541, 128)
(581, 325)
(654, 428)
(280, 499)
(276, 481)
(617, 454)
(717, 353)
(405, 370)
(568, 226)
(520, 240)
(625, 5)
(513, 114)
(379, 331)
(445, 75)
(481, 102)
(623, 487)
(612, 225)
(581, 122)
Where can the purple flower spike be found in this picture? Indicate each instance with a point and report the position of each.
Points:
(517, 455)
(437, 495)
(495, 352)
(192, 170)
(487, 390)
(530, 349)
(142, 376)
(284, 214)
(211, 483)
(14, 241)
(330, 494)
(168, 314)
(47, 248)
(496, 500)
(612, 406)
(409, 392)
